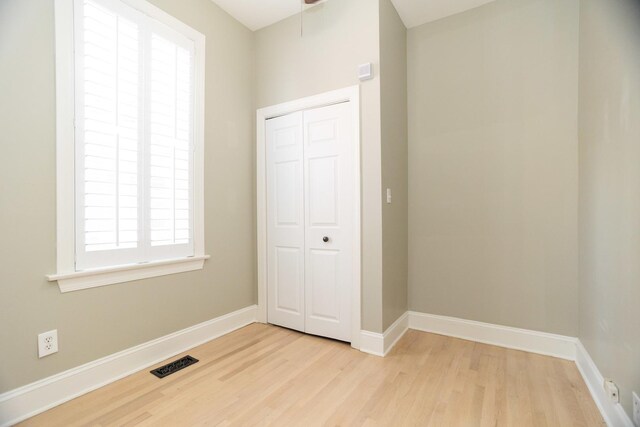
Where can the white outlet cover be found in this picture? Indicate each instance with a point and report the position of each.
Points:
(47, 343)
(636, 408)
(612, 390)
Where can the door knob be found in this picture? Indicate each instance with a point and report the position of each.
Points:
(325, 239)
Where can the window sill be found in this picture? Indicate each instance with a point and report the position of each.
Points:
(69, 282)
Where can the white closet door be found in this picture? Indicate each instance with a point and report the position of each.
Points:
(310, 221)
(329, 198)
(285, 222)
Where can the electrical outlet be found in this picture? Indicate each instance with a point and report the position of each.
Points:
(636, 409)
(612, 391)
(47, 343)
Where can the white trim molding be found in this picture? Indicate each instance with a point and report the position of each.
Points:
(503, 336)
(108, 276)
(65, 136)
(613, 413)
(32, 399)
(381, 344)
(372, 343)
(352, 95)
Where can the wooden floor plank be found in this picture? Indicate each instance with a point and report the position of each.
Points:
(264, 375)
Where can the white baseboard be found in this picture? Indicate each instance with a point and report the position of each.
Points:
(533, 342)
(372, 343)
(32, 399)
(519, 339)
(381, 344)
(613, 413)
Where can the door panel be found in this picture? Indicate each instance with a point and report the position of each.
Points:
(323, 206)
(285, 222)
(287, 198)
(323, 130)
(324, 285)
(287, 279)
(328, 213)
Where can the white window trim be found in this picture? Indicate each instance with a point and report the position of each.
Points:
(67, 277)
(126, 273)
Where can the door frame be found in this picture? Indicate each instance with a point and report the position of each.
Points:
(349, 94)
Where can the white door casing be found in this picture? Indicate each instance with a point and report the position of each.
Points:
(351, 96)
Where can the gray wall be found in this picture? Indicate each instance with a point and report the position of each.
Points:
(97, 322)
(610, 189)
(492, 157)
(493, 173)
(393, 107)
(338, 36)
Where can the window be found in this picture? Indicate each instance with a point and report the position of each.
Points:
(130, 142)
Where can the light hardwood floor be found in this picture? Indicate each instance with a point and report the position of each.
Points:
(265, 375)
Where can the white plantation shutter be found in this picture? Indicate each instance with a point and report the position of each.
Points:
(134, 137)
(170, 135)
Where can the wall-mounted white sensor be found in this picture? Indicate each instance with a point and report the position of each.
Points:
(365, 71)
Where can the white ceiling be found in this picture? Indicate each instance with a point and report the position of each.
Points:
(256, 14)
(418, 12)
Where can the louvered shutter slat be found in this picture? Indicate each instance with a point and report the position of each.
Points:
(170, 123)
(110, 94)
